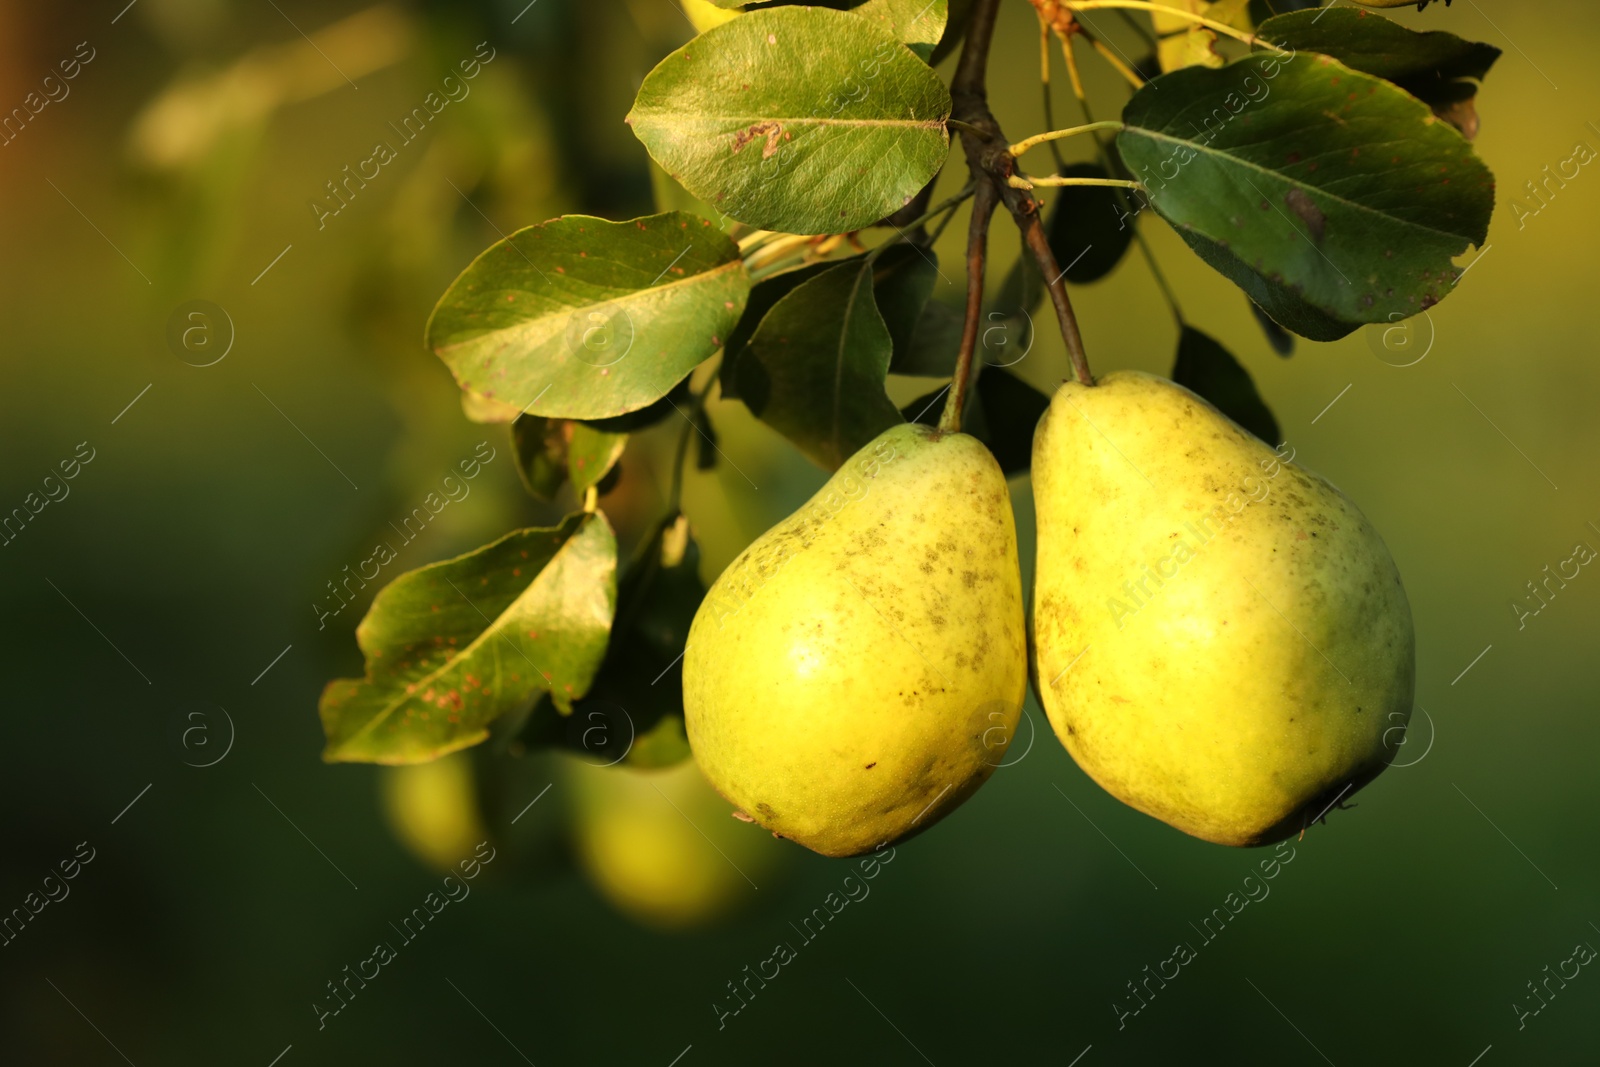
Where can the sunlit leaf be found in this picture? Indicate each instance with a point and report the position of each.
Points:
(481, 409)
(798, 119)
(634, 710)
(1184, 42)
(709, 14)
(591, 454)
(453, 646)
(587, 319)
(919, 23)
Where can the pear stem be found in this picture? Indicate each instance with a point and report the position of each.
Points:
(983, 205)
(1057, 135)
(991, 162)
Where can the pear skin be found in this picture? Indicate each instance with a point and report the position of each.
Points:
(859, 670)
(433, 809)
(659, 846)
(1221, 638)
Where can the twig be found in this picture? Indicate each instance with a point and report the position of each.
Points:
(909, 230)
(1056, 135)
(983, 206)
(1127, 208)
(1134, 24)
(1016, 181)
(990, 159)
(1133, 77)
(696, 406)
(1044, 86)
(1147, 5)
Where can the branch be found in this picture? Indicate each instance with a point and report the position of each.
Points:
(991, 162)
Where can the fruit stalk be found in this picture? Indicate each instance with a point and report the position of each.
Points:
(990, 160)
(983, 205)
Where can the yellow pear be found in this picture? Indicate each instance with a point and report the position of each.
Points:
(1221, 638)
(858, 671)
(660, 844)
(433, 809)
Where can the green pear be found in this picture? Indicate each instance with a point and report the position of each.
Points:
(858, 671)
(1221, 638)
(433, 809)
(659, 846)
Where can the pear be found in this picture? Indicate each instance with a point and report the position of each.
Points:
(659, 846)
(1221, 638)
(858, 671)
(433, 809)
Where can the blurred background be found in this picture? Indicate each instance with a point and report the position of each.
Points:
(164, 652)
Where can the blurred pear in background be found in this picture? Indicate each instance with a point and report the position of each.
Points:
(432, 808)
(663, 848)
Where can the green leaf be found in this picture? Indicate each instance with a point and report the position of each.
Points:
(935, 342)
(1088, 228)
(453, 646)
(587, 319)
(591, 454)
(708, 14)
(1281, 340)
(955, 29)
(764, 295)
(796, 119)
(1261, 10)
(1281, 303)
(1330, 196)
(635, 707)
(919, 23)
(540, 446)
(483, 410)
(1012, 409)
(903, 279)
(705, 441)
(814, 371)
(1434, 67)
(551, 451)
(1206, 368)
(1380, 46)
(646, 417)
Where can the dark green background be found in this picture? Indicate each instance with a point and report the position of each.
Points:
(206, 525)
